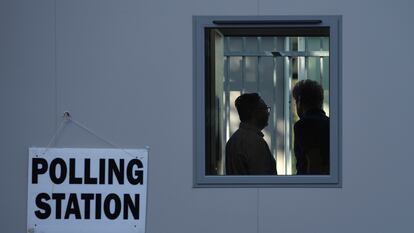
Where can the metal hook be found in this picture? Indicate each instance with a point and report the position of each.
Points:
(66, 115)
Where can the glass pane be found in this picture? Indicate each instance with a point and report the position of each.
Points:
(235, 44)
(314, 68)
(268, 43)
(247, 69)
(313, 43)
(251, 44)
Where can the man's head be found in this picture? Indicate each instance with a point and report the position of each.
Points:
(308, 95)
(253, 110)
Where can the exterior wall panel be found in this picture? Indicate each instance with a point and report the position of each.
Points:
(124, 69)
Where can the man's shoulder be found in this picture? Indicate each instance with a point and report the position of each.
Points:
(300, 124)
(245, 137)
(311, 120)
(311, 127)
(250, 135)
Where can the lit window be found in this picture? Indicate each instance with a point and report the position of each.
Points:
(235, 56)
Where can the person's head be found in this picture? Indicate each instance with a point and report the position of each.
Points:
(308, 95)
(253, 110)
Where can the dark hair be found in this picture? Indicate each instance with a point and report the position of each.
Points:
(246, 104)
(309, 93)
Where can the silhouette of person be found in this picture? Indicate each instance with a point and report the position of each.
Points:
(247, 153)
(311, 140)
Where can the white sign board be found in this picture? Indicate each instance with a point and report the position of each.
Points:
(87, 190)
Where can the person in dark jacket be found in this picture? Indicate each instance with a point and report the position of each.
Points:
(247, 153)
(311, 132)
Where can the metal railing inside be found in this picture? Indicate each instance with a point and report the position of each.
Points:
(270, 66)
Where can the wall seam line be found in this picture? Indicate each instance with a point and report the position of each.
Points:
(258, 211)
(55, 66)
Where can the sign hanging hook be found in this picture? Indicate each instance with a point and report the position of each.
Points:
(66, 116)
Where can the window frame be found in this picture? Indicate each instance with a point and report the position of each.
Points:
(200, 23)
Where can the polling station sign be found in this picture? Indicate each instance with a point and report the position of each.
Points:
(87, 190)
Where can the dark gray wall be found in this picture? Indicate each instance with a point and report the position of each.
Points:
(124, 69)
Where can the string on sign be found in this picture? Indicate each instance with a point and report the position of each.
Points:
(66, 118)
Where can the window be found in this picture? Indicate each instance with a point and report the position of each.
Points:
(268, 56)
